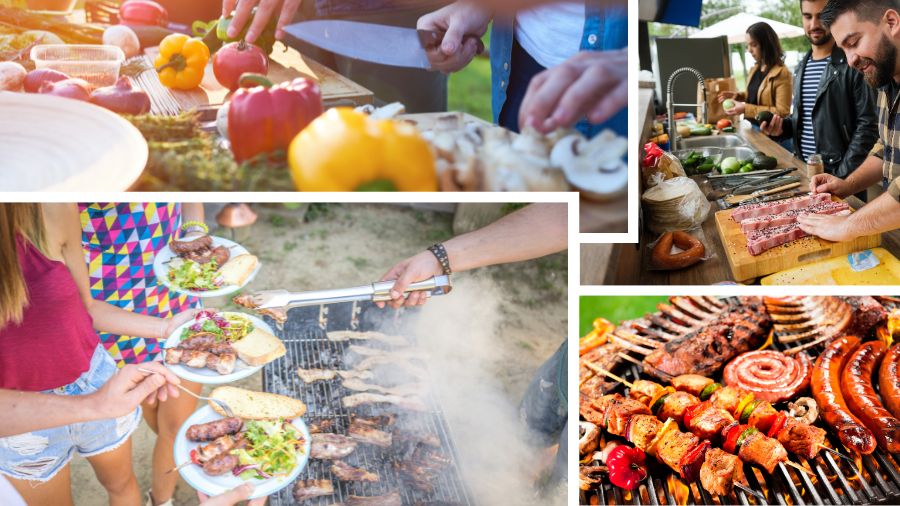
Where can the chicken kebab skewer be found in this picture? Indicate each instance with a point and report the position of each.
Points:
(797, 437)
(689, 457)
(713, 424)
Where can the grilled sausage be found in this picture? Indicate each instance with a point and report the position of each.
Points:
(826, 387)
(199, 341)
(221, 464)
(184, 247)
(889, 380)
(662, 257)
(221, 255)
(856, 383)
(213, 430)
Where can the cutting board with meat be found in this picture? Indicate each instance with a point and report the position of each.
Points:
(761, 239)
(284, 65)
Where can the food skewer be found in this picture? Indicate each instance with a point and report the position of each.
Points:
(727, 425)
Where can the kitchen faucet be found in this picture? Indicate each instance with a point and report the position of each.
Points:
(673, 133)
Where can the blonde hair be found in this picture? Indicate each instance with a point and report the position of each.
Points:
(15, 219)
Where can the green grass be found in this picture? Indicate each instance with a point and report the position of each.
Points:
(614, 309)
(469, 90)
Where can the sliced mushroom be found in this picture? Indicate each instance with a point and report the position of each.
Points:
(589, 437)
(804, 410)
(593, 166)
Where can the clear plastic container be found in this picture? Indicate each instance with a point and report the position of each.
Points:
(51, 6)
(97, 64)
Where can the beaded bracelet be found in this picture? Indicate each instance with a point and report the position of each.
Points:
(191, 225)
(441, 254)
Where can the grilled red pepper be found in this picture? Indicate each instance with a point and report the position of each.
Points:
(693, 411)
(731, 435)
(627, 467)
(692, 460)
(777, 425)
(143, 12)
(195, 456)
(265, 118)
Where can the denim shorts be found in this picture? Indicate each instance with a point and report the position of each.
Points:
(39, 455)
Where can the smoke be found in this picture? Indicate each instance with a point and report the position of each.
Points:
(461, 333)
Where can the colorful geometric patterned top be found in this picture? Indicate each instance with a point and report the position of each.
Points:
(120, 242)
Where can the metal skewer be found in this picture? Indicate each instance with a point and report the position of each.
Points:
(754, 493)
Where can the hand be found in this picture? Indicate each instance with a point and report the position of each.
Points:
(723, 95)
(591, 83)
(267, 8)
(232, 497)
(130, 386)
(827, 226)
(737, 109)
(417, 268)
(179, 320)
(827, 183)
(456, 20)
(773, 129)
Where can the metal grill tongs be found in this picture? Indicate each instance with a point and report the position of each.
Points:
(376, 292)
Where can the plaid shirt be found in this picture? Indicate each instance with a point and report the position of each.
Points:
(888, 145)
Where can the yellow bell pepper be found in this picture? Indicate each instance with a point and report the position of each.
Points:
(181, 61)
(346, 150)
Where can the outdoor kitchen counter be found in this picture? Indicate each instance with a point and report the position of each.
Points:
(630, 263)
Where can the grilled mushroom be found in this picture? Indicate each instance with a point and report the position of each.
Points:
(589, 437)
(805, 410)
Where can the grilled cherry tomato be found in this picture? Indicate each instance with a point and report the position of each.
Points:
(627, 467)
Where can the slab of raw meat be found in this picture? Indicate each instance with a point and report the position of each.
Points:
(770, 208)
(788, 217)
(768, 238)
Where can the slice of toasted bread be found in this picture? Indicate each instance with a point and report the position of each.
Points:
(258, 347)
(237, 270)
(250, 405)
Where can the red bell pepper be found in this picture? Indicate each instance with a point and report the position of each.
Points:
(266, 118)
(143, 12)
(731, 435)
(777, 425)
(693, 411)
(652, 154)
(627, 467)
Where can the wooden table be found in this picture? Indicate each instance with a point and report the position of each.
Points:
(628, 264)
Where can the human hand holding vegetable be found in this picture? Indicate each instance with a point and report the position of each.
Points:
(592, 84)
(723, 95)
(265, 9)
(773, 129)
(737, 109)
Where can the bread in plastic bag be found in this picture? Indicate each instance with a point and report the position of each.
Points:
(675, 204)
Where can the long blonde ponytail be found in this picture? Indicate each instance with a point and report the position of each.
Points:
(27, 220)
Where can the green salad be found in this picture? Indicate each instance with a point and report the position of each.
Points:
(193, 276)
(226, 326)
(272, 450)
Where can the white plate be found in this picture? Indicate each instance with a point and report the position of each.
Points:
(215, 485)
(161, 269)
(52, 143)
(208, 376)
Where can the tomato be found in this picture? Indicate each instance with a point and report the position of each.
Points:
(723, 124)
(236, 58)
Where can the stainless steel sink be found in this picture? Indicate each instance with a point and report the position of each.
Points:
(740, 152)
(718, 141)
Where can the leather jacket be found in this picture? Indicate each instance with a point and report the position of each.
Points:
(844, 116)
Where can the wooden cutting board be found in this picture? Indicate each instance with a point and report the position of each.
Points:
(284, 64)
(745, 267)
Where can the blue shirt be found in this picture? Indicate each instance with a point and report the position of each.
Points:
(604, 29)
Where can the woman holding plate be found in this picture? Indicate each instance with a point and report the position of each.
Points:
(120, 242)
(49, 344)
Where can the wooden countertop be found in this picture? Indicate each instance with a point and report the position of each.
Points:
(629, 263)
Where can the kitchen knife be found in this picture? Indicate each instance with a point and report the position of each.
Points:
(375, 292)
(764, 185)
(737, 199)
(382, 44)
(773, 198)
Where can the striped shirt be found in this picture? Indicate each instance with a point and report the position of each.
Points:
(888, 145)
(809, 88)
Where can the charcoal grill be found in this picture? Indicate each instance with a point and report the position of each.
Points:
(308, 346)
(836, 481)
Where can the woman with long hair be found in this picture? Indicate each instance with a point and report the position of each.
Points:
(49, 344)
(769, 85)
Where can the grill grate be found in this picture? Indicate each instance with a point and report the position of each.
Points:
(836, 481)
(308, 347)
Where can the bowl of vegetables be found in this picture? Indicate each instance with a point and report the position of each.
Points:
(698, 161)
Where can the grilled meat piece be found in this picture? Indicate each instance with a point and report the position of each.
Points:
(341, 336)
(691, 383)
(705, 350)
(708, 424)
(181, 248)
(868, 313)
(643, 429)
(401, 390)
(198, 341)
(219, 446)
(307, 489)
(223, 363)
(763, 451)
(374, 421)
(345, 472)
(618, 410)
(365, 433)
(323, 425)
(406, 354)
(421, 469)
(801, 439)
(391, 499)
(279, 314)
(721, 471)
(643, 391)
(673, 445)
(727, 398)
(221, 464)
(674, 406)
(410, 403)
(313, 375)
(406, 366)
(213, 430)
(331, 446)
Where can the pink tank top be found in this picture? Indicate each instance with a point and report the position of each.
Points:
(53, 344)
